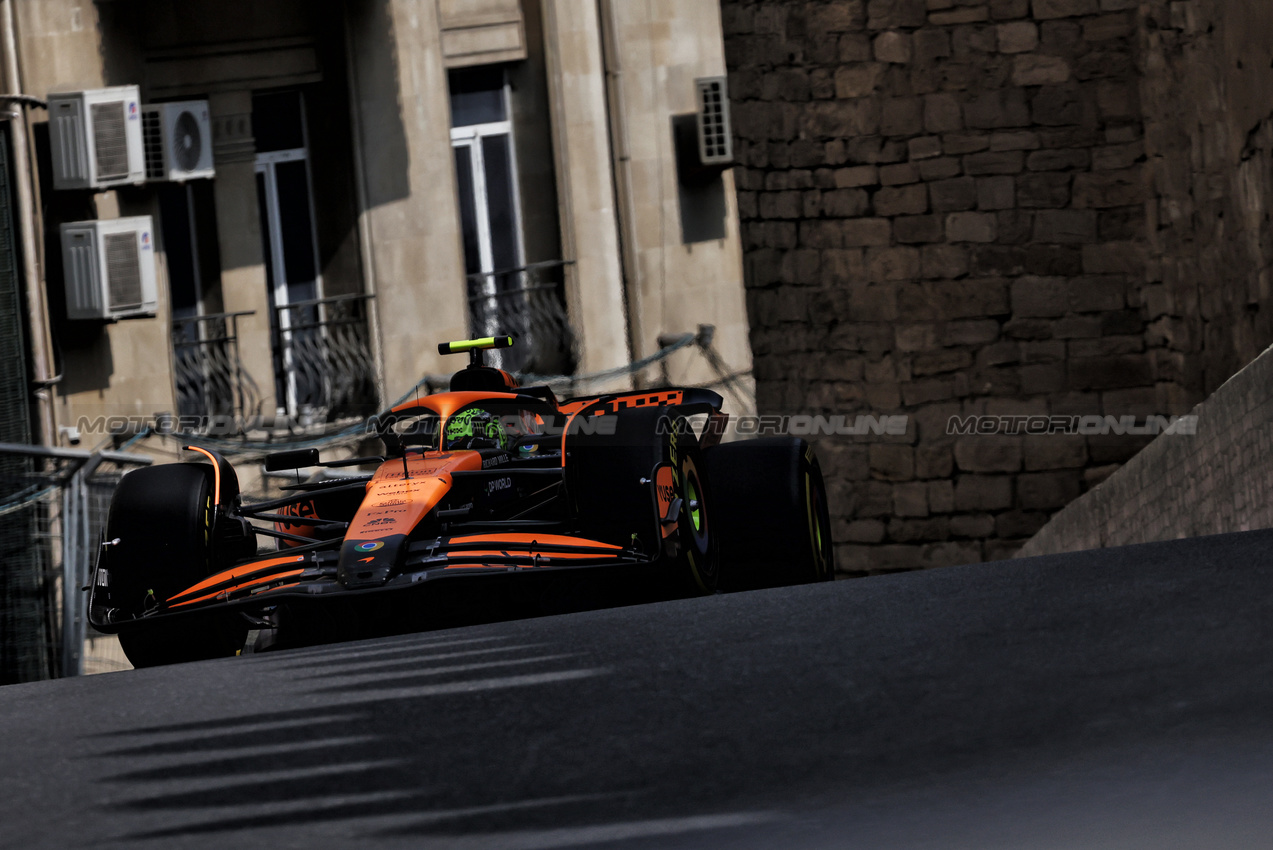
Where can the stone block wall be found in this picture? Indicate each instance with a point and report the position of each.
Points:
(1215, 481)
(1207, 94)
(989, 207)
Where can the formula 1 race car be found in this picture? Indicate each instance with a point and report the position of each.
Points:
(487, 480)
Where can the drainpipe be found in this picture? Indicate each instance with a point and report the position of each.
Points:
(28, 224)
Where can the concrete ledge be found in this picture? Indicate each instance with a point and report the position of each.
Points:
(1216, 481)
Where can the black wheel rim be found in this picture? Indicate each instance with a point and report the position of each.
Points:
(695, 525)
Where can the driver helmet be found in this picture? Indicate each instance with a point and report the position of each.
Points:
(475, 428)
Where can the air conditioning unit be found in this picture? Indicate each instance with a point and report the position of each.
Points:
(109, 268)
(715, 130)
(178, 140)
(95, 137)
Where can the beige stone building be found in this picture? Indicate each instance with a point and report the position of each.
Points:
(388, 174)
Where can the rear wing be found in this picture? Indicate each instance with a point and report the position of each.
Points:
(693, 397)
(690, 401)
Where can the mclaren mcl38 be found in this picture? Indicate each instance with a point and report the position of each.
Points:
(487, 480)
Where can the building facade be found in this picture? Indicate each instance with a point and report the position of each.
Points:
(1007, 208)
(388, 174)
(362, 179)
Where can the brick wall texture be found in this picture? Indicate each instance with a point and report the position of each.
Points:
(1217, 481)
(996, 207)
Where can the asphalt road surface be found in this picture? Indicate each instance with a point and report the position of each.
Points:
(1117, 699)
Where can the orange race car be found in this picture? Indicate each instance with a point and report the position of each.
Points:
(487, 480)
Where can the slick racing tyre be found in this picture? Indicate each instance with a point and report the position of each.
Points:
(770, 514)
(162, 517)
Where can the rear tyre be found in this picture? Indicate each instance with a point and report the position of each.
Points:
(162, 516)
(771, 516)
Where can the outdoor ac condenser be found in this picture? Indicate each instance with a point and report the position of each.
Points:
(95, 136)
(178, 140)
(109, 268)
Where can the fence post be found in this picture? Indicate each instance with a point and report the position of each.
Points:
(72, 613)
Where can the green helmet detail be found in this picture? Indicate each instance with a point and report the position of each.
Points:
(475, 428)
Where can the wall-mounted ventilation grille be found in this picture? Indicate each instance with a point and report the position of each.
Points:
(715, 133)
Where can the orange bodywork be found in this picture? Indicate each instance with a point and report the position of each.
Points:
(446, 404)
(235, 573)
(550, 547)
(545, 540)
(396, 502)
(216, 472)
(227, 591)
(622, 402)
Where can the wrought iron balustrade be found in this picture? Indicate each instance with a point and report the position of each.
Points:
(209, 376)
(528, 303)
(322, 351)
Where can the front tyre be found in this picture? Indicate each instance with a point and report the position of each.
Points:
(771, 514)
(162, 517)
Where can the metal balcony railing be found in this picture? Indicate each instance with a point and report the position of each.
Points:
(209, 376)
(528, 303)
(322, 353)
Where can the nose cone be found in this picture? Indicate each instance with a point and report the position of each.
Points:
(368, 563)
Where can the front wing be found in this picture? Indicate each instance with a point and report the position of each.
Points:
(313, 574)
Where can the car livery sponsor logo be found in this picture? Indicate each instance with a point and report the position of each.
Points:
(665, 488)
(673, 458)
(379, 522)
(499, 460)
(498, 485)
(416, 472)
(370, 546)
(665, 492)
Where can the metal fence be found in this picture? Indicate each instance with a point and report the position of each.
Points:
(322, 352)
(528, 303)
(208, 373)
(53, 509)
